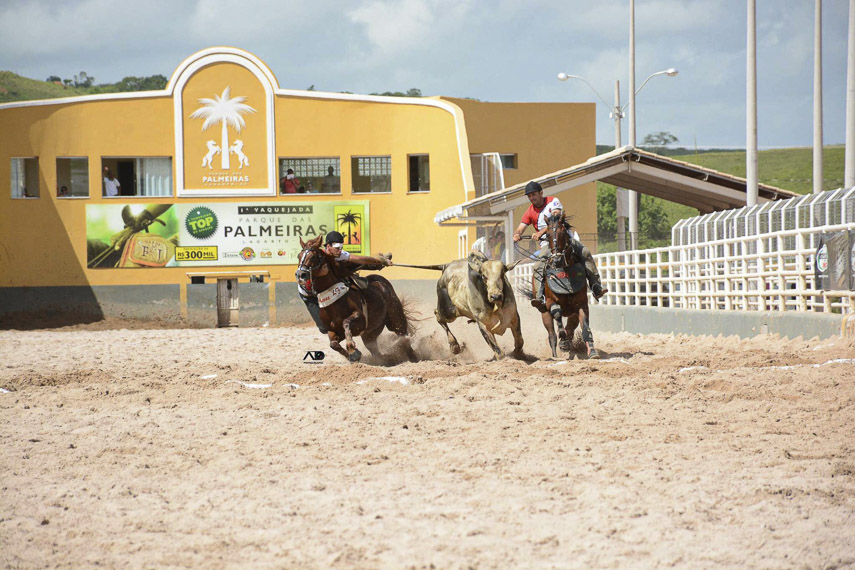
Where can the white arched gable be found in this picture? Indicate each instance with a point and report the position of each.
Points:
(175, 88)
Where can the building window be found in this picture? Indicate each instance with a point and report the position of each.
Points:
(25, 177)
(371, 174)
(509, 161)
(314, 175)
(72, 177)
(419, 165)
(148, 176)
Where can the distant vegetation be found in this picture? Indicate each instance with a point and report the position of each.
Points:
(790, 169)
(13, 87)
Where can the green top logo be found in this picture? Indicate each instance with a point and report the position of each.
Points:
(201, 222)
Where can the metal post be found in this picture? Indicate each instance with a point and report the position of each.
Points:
(849, 168)
(621, 195)
(751, 109)
(817, 100)
(631, 194)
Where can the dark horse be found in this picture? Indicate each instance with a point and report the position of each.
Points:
(351, 311)
(566, 289)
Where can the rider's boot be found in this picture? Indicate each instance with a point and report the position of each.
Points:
(598, 290)
(539, 302)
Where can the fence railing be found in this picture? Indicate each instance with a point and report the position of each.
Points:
(770, 271)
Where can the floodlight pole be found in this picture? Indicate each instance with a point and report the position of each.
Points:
(751, 109)
(817, 100)
(849, 163)
(621, 195)
(632, 195)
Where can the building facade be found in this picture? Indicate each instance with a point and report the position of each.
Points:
(118, 202)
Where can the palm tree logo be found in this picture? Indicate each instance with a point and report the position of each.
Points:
(226, 110)
(349, 219)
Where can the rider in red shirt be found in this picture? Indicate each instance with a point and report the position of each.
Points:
(540, 209)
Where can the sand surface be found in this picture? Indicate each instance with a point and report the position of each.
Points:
(146, 447)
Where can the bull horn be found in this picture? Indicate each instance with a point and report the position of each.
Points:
(512, 265)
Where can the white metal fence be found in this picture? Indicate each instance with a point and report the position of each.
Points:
(751, 259)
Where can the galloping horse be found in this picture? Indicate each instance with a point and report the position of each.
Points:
(350, 311)
(566, 289)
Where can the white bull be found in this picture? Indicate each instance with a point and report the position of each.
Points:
(477, 288)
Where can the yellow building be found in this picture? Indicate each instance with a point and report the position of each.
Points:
(199, 169)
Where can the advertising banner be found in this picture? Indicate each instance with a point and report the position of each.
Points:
(834, 260)
(220, 233)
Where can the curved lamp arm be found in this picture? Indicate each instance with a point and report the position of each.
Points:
(564, 77)
(670, 72)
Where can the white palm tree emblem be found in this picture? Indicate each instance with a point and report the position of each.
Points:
(226, 110)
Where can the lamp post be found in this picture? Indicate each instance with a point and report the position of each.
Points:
(617, 113)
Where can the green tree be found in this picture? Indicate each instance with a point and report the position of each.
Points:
(660, 140)
(83, 79)
(53, 79)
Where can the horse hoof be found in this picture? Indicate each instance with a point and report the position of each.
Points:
(455, 348)
(564, 345)
(593, 354)
(354, 356)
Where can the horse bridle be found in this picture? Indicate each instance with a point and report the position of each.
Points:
(305, 273)
(552, 236)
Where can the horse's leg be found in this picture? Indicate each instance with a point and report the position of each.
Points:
(370, 340)
(353, 353)
(587, 335)
(569, 327)
(557, 314)
(550, 331)
(491, 340)
(335, 344)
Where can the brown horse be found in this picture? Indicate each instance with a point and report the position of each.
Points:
(566, 289)
(350, 310)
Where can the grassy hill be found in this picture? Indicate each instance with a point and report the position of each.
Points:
(13, 87)
(16, 88)
(789, 169)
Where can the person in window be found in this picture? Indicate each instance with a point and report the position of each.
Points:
(330, 182)
(538, 212)
(111, 184)
(335, 247)
(289, 184)
(63, 192)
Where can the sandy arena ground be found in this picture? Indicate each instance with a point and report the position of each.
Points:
(145, 447)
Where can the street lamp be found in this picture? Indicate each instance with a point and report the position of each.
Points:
(617, 113)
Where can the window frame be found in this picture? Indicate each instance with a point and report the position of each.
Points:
(281, 171)
(88, 185)
(135, 159)
(353, 173)
(38, 186)
(409, 173)
(514, 157)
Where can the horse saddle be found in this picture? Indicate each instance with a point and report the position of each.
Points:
(566, 280)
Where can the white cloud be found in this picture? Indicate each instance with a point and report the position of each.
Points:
(394, 27)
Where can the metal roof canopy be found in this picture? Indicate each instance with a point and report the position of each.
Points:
(634, 169)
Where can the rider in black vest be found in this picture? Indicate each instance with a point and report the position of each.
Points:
(335, 248)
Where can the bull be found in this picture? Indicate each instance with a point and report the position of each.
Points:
(478, 289)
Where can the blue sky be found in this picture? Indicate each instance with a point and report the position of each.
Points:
(504, 50)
